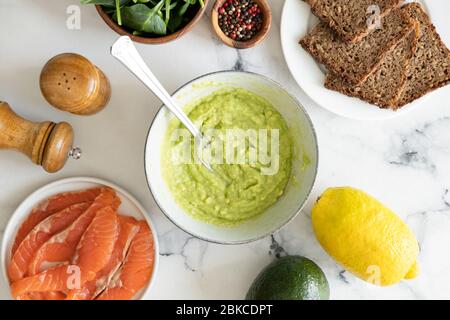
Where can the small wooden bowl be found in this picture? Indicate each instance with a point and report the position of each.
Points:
(267, 22)
(148, 40)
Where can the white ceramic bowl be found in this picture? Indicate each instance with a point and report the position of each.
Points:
(130, 206)
(296, 194)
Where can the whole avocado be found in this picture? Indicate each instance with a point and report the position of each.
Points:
(290, 278)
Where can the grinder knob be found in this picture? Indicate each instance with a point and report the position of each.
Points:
(47, 144)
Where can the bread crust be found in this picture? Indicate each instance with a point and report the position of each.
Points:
(414, 89)
(318, 8)
(350, 67)
(396, 70)
(366, 92)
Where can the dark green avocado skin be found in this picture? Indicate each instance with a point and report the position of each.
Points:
(290, 278)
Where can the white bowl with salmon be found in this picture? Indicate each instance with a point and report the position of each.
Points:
(80, 239)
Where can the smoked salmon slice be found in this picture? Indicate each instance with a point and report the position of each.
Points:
(97, 244)
(92, 255)
(93, 252)
(136, 270)
(39, 235)
(129, 227)
(62, 246)
(52, 295)
(50, 206)
(54, 279)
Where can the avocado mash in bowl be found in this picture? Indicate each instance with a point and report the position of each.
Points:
(262, 147)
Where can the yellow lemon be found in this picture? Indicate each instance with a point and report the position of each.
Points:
(365, 237)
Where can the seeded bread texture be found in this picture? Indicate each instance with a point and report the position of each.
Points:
(350, 19)
(354, 62)
(383, 87)
(430, 65)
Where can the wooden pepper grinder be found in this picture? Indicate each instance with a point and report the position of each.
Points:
(71, 83)
(47, 144)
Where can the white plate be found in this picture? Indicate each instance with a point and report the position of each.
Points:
(296, 21)
(130, 206)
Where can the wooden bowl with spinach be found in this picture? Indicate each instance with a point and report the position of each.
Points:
(150, 21)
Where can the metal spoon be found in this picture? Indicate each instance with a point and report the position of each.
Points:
(125, 51)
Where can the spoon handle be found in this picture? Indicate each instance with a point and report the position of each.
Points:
(125, 51)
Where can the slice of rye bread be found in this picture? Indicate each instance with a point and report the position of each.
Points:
(430, 66)
(384, 87)
(351, 19)
(354, 62)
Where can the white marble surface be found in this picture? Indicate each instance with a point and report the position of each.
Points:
(405, 162)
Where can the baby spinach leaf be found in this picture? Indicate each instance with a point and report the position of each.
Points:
(167, 11)
(141, 18)
(149, 16)
(152, 2)
(119, 13)
(174, 23)
(172, 6)
(106, 3)
(183, 9)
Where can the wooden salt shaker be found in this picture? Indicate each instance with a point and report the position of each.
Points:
(71, 83)
(47, 144)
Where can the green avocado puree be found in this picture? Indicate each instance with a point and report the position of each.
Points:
(237, 192)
